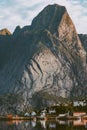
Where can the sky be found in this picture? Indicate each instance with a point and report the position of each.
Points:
(21, 12)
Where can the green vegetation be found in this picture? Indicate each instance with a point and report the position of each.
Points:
(64, 109)
(52, 97)
(10, 98)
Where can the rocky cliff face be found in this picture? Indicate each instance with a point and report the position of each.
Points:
(83, 38)
(5, 31)
(45, 58)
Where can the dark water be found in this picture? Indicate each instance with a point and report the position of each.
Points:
(43, 125)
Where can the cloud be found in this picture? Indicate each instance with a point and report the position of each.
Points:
(21, 12)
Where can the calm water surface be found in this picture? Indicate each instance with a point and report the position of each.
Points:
(43, 125)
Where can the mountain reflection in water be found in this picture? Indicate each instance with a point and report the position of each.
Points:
(43, 125)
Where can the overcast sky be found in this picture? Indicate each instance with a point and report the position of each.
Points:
(21, 12)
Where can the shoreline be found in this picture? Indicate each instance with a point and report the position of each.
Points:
(2, 118)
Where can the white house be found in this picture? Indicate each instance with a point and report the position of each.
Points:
(78, 103)
(33, 113)
(43, 113)
(52, 111)
(26, 114)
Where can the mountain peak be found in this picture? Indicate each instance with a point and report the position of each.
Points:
(17, 30)
(49, 18)
(5, 31)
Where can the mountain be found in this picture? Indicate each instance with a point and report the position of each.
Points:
(42, 62)
(5, 31)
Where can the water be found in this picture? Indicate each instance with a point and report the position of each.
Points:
(43, 125)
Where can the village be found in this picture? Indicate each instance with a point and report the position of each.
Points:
(67, 111)
(70, 114)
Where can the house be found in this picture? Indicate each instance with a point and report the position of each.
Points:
(79, 114)
(78, 103)
(53, 111)
(26, 114)
(33, 113)
(43, 113)
(63, 115)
